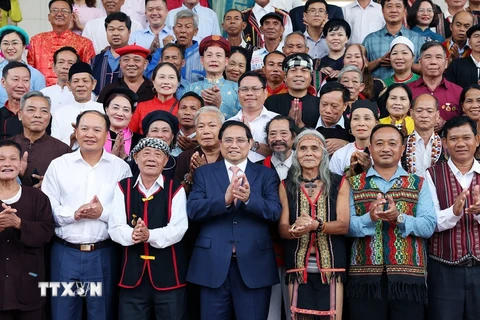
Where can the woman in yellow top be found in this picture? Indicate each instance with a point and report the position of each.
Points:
(398, 100)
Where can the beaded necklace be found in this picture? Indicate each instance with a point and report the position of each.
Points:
(412, 148)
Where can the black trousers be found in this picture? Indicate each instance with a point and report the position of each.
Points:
(145, 303)
(453, 292)
(384, 309)
(38, 314)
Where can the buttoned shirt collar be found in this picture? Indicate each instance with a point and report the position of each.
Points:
(242, 165)
(475, 168)
(370, 4)
(287, 163)
(77, 156)
(460, 50)
(194, 9)
(263, 113)
(419, 138)
(158, 182)
(399, 173)
(340, 123)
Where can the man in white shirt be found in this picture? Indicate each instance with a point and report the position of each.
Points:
(286, 5)
(251, 94)
(81, 83)
(152, 37)
(154, 266)
(209, 21)
(453, 251)
(364, 17)
(80, 186)
(424, 146)
(95, 29)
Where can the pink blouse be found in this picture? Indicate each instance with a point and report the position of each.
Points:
(86, 14)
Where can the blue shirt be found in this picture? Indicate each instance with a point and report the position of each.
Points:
(144, 38)
(228, 89)
(182, 87)
(113, 62)
(37, 81)
(421, 225)
(428, 35)
(192, 71)
(378, 44)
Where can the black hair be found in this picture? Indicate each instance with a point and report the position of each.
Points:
(147, 1)
(456, 122)
(404, 86)
(193, 95)
(383, 125)
(310, 2)
(465, 90)
(431, 44)
(102, 115)
(236, 10)
(294, 129)
(247, 54)
(66, 48)
(253, 74)
(413, 10)
(335, 86)
(174, 45)
(66, 1)
(336, 24)
(13, 65)
(11, 143)
(384, 2)
(106, 104)
(118, 16)
(162, 64)
(22, 37)
(234, 123)
(273, 52)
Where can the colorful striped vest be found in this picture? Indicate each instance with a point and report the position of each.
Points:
(402, 259)
(462, 242)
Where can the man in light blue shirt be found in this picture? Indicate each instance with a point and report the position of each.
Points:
(208, 17)
(185, 28)
(13, 41)
(156, 12)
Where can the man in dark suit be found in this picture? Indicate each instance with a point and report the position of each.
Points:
(465, 71)
(296, 15)
(235, 201)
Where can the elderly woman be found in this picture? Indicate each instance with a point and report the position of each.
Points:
(26, 226)
(238, 64)
(315, 216)
(166, 79)
(352, 78)
(401, 57)
(119, 106)
(398, 101)
(13, 42)
(356, 55)
(149, 219)
(208, 122)
(354, 158)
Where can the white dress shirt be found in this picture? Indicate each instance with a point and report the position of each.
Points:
(135, 9)
(160, 237)
(259, 12)
(242, 166)
(70, 182)
(363, 21)
(95, 31)
(423, 155)
(60, 97)
(63, 118)
(257, 126)
(286, 5)
(446, 219)
(282, 167)
(207, 21)
(340, 123)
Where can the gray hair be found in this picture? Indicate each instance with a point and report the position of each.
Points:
(299, 33)
(293, 181)
(210, 109)
(350, 68)
(33, 94)
(185, 14)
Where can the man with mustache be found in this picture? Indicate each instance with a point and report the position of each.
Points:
(106, 64)
(133, 61)
(188, 106)
(297, 103)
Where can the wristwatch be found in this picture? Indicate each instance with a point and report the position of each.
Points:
(401, 218)
(255, 146)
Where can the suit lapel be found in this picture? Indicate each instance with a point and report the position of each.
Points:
(251, 173)
(221, 175)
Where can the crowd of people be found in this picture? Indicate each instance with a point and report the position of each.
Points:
(257, 159)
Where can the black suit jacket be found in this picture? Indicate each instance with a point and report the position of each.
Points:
(462, 72)
(296, 15)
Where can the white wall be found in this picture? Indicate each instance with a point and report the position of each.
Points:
(35, 14)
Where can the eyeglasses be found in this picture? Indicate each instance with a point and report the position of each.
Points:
(425, 10)
(240, 141)
(64, 12)
(245, 90)
(313, 11)
(7, 44)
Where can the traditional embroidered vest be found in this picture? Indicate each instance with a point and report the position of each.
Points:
(168, 269)
(252, 33)
(403, 259)
(462, 242)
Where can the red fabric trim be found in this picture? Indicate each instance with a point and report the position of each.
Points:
(268, 162)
